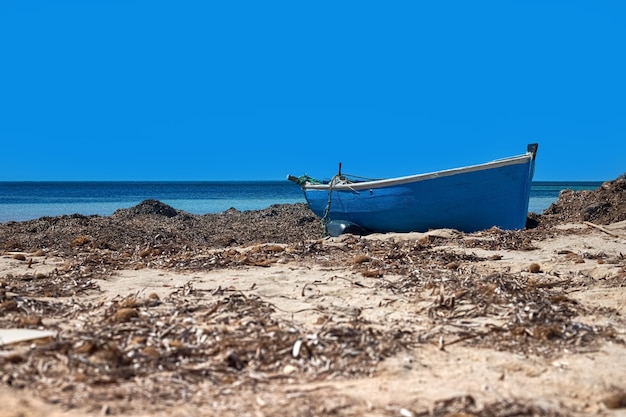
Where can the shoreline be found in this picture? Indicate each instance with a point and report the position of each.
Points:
(64, 205)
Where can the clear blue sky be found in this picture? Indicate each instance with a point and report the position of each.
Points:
(232, 90)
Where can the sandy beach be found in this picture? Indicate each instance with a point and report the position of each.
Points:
(155, 312)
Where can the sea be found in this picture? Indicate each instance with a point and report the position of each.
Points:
(20, 201)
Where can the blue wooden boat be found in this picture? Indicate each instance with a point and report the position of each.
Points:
(468, 199)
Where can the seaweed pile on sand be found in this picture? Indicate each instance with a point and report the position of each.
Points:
(604, 205)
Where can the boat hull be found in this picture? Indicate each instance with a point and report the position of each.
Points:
(467, 199)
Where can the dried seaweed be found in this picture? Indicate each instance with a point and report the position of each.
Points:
(142, 353)
(465, 406)
(190, 337)
(502, 311)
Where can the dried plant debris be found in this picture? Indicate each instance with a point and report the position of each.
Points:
(466, 406)
(604, 205)
(56, 284)
(188, 339)
(145, 353)
(142, 346)
(502, 311)
(497, 239)
(153, 224)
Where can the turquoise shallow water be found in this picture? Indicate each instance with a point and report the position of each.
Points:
(30, 200)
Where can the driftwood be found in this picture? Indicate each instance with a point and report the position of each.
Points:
(605, 230)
